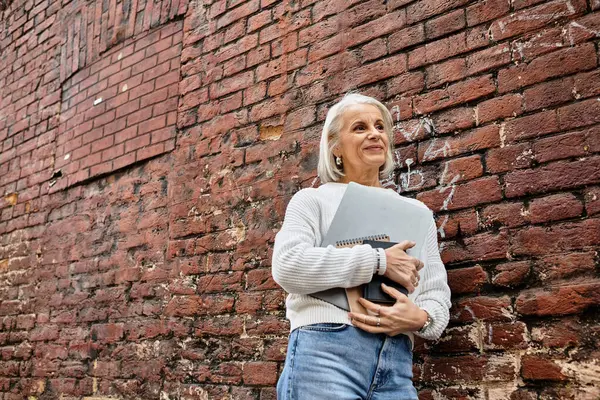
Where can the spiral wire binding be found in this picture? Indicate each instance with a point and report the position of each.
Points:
(360, 240)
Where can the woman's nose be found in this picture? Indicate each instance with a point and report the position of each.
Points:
(374, 134)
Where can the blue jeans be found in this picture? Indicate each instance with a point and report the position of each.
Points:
(341, 362)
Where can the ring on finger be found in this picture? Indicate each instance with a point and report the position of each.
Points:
(378, 321)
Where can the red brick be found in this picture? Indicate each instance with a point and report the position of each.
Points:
(509, 158)
(156, 71)
(487, 10)
(487, 59)
(325, 9)
(530, 126)
(108, 333)
(559, 300)
(481, 308)
(445, 24)
(587, 84)
(452, 224)
(440, 50)
(233, 84)
(318, 31)
(193, 99)
(369, 73)
(562, 334)
(154, 97)
(406, 37)
(562, 266)
(558, 175)
(234, 65)
(141, 90)
(485, 246)
(548, 94)
(461, 169)
(535, 18)
(512, 274)
(555, 207)
(558, 63)
(457, 339)
(238, 13)
(102, 144)
(535, 44)
(260, 373)
(136, 143)
(506, 336)
(152, 124)
(241, 46)
(419, 11)
(476, 139)
(454, 197)
(455, 94)
(406, 83)
(381, 26)
(149, 151)
(579, 114)
(448, 71)
(509, 105)
(128, 108)
(539, 240)
(467, 280)
(592, 200)
(257, 21)
(457, 119)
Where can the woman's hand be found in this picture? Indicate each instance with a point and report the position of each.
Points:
(401, 267)
(404, 316)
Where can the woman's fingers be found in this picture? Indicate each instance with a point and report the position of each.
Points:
(374, 308)
(405, 245)
(420, 264)
(368, 323)
(399, 296)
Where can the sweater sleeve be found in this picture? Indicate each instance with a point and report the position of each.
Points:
(300, 267)
(434, 296)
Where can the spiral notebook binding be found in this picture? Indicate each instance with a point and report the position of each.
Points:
(360, 240)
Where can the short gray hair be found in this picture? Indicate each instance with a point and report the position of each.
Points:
(327, 170)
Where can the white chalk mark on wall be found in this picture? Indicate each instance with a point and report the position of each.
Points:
(435, 149)
(574, 26)
(452, 187)
(442, 226)
(425, 123)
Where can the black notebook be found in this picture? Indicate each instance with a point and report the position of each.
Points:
(372, 291)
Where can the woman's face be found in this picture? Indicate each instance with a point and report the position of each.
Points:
(363, 143)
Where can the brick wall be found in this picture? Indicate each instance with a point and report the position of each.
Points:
(149, 149)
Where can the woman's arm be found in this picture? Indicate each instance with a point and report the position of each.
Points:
(300, 267)
(434, 296)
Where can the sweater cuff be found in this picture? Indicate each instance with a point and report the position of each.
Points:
(382, 261)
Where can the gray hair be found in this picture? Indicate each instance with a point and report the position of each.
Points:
(327, 170)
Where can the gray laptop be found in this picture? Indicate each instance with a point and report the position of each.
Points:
(366, 211)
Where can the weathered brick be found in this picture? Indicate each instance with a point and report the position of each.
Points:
(554, 176)
(561, 266)
(467, 280)
(561, 62)
(486, 246)
(535, 18)
(537, 240)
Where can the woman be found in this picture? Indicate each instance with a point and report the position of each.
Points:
(333, 354)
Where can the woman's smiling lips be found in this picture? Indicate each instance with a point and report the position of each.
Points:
(374, 147)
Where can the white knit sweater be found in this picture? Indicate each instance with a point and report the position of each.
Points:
(301, 267)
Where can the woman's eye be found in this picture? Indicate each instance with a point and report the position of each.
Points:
(380, 127)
